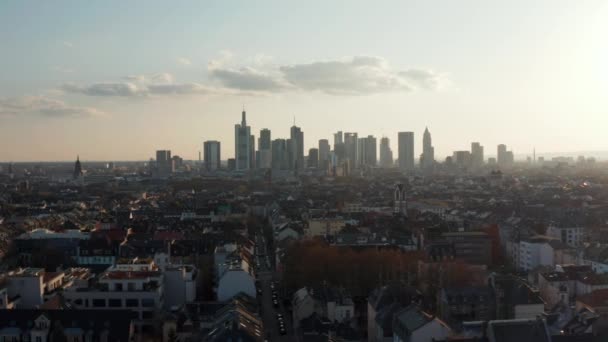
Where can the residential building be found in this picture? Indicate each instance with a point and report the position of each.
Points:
(472, 247)
(34, 325)
(411, 324)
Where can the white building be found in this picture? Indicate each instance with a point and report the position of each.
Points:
(571, 236)
(237, 277)
(534, 252)
(136, 286)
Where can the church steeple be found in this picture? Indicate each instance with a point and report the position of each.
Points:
(77, 168)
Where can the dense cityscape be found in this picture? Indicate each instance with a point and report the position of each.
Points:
(335, 245)
(315, 171)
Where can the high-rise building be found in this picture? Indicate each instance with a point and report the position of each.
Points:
(350, 149)
(386, 154)
(462, 159)
(242, 141)
(252, 152)
(501, 154)
(504, 158)
(297, 148)
(280, 159)
(406, 150)
(323, 154)
(477, 158)
(427, 159)
(366, 151)
(313, 157)
(265, 149)
(338, 138)
(164, 163)
(177, 162)
(212, 155)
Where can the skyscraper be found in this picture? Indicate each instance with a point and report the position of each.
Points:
(297, 147)
(279, 154)
(386, 154)
(323, 154)
(427, 159)
(504, 157)
(252, 152)
(406, 150)
(313, 157)
(242, 141)
(212, 155)
(350, 149)
(462, 159)
(338, 139)
(265, 149)
(366, 150)
(164, 163)
(477, 158)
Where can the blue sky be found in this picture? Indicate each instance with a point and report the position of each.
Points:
(116, 80)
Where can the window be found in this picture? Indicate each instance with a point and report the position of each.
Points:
(38, 338)
(115, 303)
(131, 286)
(131, 303)
(147, 302)
(99, 303)
(118, 287)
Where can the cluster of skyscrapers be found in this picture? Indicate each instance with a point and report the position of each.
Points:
(349, 152)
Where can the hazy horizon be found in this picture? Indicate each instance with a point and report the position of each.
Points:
(119, 80)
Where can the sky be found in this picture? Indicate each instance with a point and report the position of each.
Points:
(118, 80)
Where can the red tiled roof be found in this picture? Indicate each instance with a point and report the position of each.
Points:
(595, 298)
(131, 274)
(48, 276)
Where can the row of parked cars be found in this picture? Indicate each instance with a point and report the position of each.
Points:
(275, 303)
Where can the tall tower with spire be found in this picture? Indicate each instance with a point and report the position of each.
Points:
(243, 144)
(77, 168)
(427, 159)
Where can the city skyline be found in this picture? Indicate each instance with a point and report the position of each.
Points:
(75, 86)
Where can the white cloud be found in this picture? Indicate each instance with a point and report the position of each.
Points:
(183, 61)
(139, 86)
(45, 107)
(105, 89)
(179, 89)
(359, 75)
(67, 44)
(224, 59)
(248, 79)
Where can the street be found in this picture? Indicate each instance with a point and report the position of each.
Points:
(265, 276)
